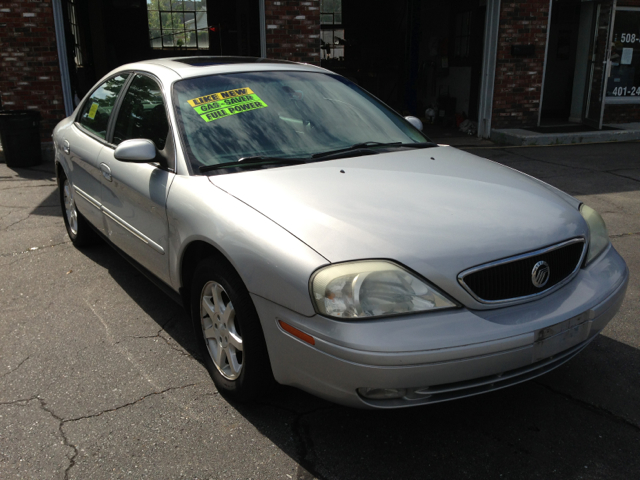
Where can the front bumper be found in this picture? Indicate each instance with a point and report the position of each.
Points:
(447, 355)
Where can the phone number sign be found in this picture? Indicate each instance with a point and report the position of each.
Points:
(624, 78)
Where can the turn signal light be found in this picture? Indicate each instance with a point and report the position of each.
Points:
(297, 333)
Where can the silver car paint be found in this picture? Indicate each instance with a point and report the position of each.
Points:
(134, 204)
(136, 150)
(471, 210)
(272, 263)
(85, 167)
(126, 201)
(463, 327)
(438, 211)
(407, 353)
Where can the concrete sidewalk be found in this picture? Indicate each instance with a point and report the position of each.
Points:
(98, 378)
(626, 132)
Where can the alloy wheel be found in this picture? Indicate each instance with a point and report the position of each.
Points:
(217, 319)
(70, 208)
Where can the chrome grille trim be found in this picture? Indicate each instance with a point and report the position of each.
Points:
(516, 300)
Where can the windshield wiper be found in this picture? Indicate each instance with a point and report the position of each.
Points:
(359, 146)
(257, 161)
(247, 162)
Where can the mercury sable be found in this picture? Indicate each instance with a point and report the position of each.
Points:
(320, 240)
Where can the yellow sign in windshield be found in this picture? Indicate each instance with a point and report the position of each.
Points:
(238, 92)
(224, 104)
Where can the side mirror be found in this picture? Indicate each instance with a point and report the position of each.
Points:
(415, 121)
(138, 150)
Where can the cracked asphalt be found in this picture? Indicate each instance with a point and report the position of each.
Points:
(98, 378)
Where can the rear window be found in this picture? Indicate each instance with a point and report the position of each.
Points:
(97, 109)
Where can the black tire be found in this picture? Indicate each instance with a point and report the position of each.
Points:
(78, 228)
(242, 374)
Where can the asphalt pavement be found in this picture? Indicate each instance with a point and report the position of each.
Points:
(98, 377)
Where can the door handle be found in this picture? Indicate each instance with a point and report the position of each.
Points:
(106, 171)
(66, 148)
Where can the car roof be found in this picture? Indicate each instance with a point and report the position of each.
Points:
(194, 66)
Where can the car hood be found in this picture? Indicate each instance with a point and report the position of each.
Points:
(437, 211)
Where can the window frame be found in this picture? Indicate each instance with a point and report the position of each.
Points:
(332, 27)
(115, 109)
(173, 30)
(75, 31)
(610, 99)
(118, 105)
(462, 37)
(108, 140)
(169, 151)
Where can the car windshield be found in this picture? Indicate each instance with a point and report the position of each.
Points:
(281, 114)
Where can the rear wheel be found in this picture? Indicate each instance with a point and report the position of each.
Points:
(229, 333)
(78, 228)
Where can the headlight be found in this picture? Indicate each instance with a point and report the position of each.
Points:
(598, 235)
(372, 288)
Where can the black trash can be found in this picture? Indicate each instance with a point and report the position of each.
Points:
(20, 137)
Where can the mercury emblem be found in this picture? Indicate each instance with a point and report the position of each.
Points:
(540, 274)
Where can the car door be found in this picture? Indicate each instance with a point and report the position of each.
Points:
(134, 194)
(83, 144)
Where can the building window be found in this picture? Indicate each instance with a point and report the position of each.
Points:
(623, 85)
(332, 41)
(75, 31)
(463, 35)
(178, 24)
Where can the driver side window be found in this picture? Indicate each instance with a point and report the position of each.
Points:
(142, 114)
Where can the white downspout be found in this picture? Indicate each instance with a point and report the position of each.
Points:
(58, 21)
(544, 66)
(492, 26)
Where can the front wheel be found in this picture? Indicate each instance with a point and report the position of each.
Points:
(228, 332)
(78, 228)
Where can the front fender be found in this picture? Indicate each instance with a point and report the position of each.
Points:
(271, 261)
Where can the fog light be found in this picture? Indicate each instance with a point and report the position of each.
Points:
(382, 393)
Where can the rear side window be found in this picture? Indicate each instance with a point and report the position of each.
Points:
(142, 114)
(96, 111)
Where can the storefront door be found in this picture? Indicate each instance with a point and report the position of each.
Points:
(599, 64)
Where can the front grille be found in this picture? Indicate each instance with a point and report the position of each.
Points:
(510, 279)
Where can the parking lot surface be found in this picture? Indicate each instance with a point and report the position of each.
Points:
(98, 377)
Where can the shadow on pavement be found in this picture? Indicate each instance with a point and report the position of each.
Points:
(45, 208)
(532, 430)
(156, 304)
(579, 422)
(537, 429)
(44, 171)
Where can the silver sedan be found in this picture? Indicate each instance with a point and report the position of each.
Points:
(318, 239)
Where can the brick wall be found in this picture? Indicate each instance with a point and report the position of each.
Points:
(293, 30)
(29, 69)
(518, 83)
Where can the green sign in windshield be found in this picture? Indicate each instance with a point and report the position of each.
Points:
(224, 104)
